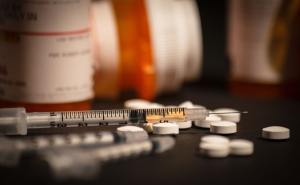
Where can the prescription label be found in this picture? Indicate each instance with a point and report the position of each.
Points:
(45, 51)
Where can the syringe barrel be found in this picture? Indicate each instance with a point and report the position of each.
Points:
(199, 113)
(13, 121)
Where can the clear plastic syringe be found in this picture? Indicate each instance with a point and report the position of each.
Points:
(12, 149)
(15, 121)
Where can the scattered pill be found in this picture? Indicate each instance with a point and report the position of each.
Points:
(155, 105)
(241, 147)
(130, 129)
(184, 125)
(275, 132)
(148, 127)
(187, 104)
(234, 117)
(215, 139)
(171, 106)
(223, 127)
(214, 150)
(136, 104)
(206, 122)
(198, 106)
(165, 128)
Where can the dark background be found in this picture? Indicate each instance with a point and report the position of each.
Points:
(273, 162)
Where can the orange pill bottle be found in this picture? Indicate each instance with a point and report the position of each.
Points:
(155, 46)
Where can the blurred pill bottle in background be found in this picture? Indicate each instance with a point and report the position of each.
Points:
(149, 46)
(45, 51)
(263, 47)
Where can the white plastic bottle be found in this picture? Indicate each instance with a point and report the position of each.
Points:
(45, 52)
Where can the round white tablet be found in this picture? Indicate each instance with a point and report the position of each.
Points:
(136, 104)
(165, 128)
(223, 127)
(275, 132)
(171, 106)
(199, 106)
(184, 125)
(234, 117)
(241, 147)
(155, 105)
(214, 150)
(148, 127)
(215, 139)
(130, 129)
(208, 120)
(187, 104)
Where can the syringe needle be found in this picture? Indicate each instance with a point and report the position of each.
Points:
(231, 112)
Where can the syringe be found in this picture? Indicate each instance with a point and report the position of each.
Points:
(15, 121)
(85, 164)
(12, 149)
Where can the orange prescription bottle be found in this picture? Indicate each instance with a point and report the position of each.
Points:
(154, 46)
(45, 51)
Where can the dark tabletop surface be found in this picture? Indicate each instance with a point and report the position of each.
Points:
(273, 162)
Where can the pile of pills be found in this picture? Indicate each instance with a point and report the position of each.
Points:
(217, 123)
(221, 123)
(216, 146)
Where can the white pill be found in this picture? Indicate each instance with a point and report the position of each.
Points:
(198, 106)
(223, 127)
(171, 106)
(275, 132)
(208, 120)
(241, 147)
(187, 104)
(155, 105)
(136, 104)
(130, 129)
(235, 117)
(147, 127)
(214, 150)
(165, 128)
(184, 125)
(215, 139)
